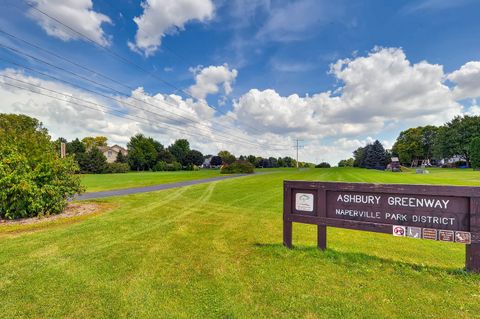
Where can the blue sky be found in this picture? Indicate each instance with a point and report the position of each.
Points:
(334, 74)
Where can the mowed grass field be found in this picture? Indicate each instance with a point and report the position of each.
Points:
(101, 182)
(215, 251)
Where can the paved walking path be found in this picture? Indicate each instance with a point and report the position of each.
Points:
(145, 189)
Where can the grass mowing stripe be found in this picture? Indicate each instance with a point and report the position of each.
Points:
(214, 250)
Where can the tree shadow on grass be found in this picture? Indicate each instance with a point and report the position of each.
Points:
(359, 259)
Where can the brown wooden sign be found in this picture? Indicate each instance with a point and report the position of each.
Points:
(445, 213)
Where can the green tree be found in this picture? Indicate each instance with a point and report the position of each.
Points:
(93, 161)
(96, 141)
(121, 158)
(475, 153)
(179, 150)
(142, 152)
(375, 156)
(346, 162)
(194, 157)
(166, 156)
(416, 144)
(34, 180)
(75, 147)
(251, 159)
(359, 156)
(216, 161)
(455, 137)
(227, 157)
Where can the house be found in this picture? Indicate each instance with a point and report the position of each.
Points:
(111, 152)
(206, 162)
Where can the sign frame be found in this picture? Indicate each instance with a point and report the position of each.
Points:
(319, 216)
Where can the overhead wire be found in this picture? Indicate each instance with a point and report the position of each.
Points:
(126, 60)
(103, 85)
(148, 120)
(112, 98)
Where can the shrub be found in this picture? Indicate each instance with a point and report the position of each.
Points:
(323, 165)
(192, 167)
(160, 166)
(238, 167)
(175, 166)
(117, 168)
(34, 181)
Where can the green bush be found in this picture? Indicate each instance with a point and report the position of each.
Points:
(117, 168)
(322, 165)
(34, 181)
(192, 167)
(238, 167)
(175, 166)
(160, 166)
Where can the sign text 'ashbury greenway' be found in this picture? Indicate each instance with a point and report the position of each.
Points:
(443, 213)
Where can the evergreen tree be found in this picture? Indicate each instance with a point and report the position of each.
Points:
(92, 161)
(375, 156)
(121, 158)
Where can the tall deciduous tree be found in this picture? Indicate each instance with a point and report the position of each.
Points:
(142, 152)
(194, 157)
(416, 144)
(475, 153)
(227, 157)
(96, 141)
(179, 150)
(455, 137)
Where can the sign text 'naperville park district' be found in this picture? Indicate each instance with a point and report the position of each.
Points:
(444, 213)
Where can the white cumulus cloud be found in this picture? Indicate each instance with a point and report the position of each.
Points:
(77, 14)
(209, 79)
(377, 91)
(161, 17)
(467, 80)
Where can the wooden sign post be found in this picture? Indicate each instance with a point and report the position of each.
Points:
(444, 213)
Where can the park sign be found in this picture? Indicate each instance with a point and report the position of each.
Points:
(442, 213)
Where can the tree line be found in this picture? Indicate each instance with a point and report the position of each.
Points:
(432, 144)
(458, 138)
(147, 154)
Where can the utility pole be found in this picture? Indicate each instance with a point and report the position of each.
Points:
(297, 147)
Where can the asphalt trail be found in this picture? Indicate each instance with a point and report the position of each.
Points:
(145, 189)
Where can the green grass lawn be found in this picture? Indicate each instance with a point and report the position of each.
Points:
(215, 251)
(102, 182)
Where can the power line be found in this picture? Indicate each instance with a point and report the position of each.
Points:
(119, 101)
(103, 106)
(99, 105)
(100, 84)
(125, 60)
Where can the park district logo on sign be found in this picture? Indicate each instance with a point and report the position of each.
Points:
(443, 213)
(304, 202)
